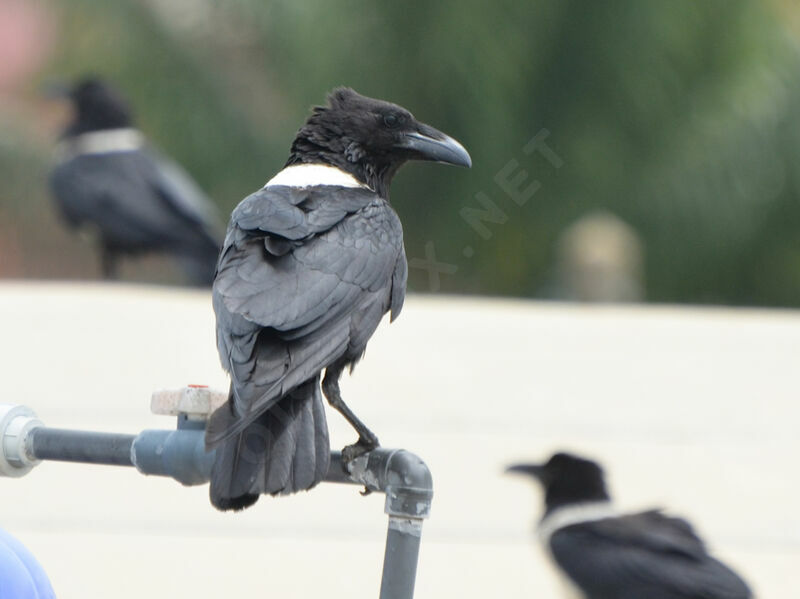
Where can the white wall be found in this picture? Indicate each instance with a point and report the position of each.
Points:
(691, 409)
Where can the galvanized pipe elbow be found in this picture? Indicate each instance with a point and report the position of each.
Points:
(400, 474)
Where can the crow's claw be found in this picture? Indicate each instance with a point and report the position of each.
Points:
(357, 449)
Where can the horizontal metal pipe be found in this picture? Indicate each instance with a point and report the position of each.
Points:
(181, 454)
(80, 446)
(336, 472)
(399, 474)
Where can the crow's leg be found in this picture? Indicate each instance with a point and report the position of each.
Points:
(367, 441)
(109, 264)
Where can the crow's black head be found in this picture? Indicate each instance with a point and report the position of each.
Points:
(97, 107)
(567, 479)
(370, 139)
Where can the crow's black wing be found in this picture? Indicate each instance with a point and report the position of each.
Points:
(303, 279)
(643, 555)
(184, 196)
(135, 200)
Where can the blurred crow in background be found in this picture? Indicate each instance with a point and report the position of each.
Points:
(135, 201)
(310, 265)
(610, 555)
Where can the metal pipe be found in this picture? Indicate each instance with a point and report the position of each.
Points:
(408, 485)
(400, 475)
(401, 557)
(80, 446)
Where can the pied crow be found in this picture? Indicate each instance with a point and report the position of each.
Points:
(606, 554)
(133, 200)
(310, 264)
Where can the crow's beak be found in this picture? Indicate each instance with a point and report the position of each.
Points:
(534, 470)
(428, 143)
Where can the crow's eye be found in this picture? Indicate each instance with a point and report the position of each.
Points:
(391, 120)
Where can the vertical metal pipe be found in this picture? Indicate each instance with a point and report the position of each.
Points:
(400, 559)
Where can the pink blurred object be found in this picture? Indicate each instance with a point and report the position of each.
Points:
(26, 36)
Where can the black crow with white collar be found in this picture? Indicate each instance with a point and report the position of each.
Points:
(310, 265)
(606, 554)
(135, 201)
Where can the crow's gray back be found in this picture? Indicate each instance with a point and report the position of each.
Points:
(304, 277)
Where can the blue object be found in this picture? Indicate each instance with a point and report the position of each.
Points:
(21, 576)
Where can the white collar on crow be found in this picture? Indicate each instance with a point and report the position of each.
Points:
(576, 513)
(102, 142)
(307, 175)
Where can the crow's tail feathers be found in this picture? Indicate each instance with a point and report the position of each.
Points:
(283, 451)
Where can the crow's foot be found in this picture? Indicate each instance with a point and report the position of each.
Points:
(357, 449)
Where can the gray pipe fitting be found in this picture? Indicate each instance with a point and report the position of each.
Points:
(16, 423)
(180, 454)
(403, 476)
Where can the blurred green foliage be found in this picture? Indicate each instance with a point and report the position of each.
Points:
(680, 117)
